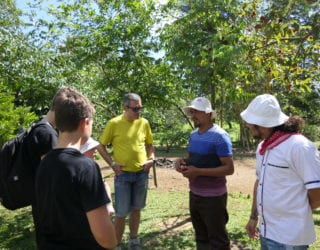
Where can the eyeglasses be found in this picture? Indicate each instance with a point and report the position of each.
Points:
(135, 109)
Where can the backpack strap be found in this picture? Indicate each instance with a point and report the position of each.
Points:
(37, 124)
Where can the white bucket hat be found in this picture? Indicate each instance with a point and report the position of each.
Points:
(264, 110)
(90, 144)
(201, 104)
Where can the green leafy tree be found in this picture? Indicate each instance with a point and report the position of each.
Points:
(14, 115)
(110, 47)
(282, 39)
(234, 50)
(205, 46)
(12, 118)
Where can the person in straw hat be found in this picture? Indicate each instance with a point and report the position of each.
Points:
(287, 187)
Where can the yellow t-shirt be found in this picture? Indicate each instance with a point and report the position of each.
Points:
(128, 140)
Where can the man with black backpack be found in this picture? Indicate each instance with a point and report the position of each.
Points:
(17, 187)
(21, 156)
(41, 140)
(19, 160)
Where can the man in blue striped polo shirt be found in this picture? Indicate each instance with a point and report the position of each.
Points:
(209, 161)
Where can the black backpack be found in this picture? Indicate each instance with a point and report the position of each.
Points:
(16, 176)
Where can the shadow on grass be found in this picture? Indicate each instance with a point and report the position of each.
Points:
(169, 240)
(177, 225)
(184, 240)
(240, 244)
(177, 233)
(171, 233)
(17, 232)
(316, 216)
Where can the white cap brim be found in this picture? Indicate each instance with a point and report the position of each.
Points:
(90, 144)
(187, 111)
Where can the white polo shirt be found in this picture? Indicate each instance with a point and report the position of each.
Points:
(285, 173)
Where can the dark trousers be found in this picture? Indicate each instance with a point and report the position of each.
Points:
(209, 218)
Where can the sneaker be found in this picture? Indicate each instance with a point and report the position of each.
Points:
(134, 244)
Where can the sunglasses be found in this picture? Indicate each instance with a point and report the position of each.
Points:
(135, 109)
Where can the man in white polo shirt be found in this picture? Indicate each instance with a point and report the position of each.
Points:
(288, 178)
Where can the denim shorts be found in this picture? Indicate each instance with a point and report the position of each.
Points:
(267, 244)
(130, 191)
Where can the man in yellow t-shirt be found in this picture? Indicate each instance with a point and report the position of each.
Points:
(133, 154)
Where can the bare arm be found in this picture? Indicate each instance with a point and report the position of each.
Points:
(150, 156)
(101, 227)
(251, 226)
(110, 207)
(114, 165)
(314, 198)
(150, 151)
(103, 152)
(226, 168)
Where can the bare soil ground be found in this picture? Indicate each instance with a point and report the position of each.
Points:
(169, 180)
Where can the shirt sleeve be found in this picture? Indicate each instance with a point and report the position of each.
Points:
(224, 145)
(42, 140)
(92, 190)
(45, 139)
(306, 161)
(106, 136)
(149, 136)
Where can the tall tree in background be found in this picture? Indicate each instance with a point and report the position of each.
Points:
(204, 45)
(234, 50)
(283, 54)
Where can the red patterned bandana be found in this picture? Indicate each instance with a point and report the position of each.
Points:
(276, 138)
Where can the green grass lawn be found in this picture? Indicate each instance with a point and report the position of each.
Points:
(165, 223)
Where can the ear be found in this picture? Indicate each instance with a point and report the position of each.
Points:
(83, 123)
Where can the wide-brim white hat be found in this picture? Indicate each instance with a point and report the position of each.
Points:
(264, 110)
(201, 104)
(90, 144)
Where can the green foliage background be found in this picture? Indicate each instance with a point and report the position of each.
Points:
(226, 50)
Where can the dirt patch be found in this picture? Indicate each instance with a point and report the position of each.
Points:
(170, 180)
(243, 178)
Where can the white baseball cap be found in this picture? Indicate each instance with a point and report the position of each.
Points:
(264, 110)
(90, 144)
(201, 104)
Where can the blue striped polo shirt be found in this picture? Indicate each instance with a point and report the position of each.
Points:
(205, 149)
